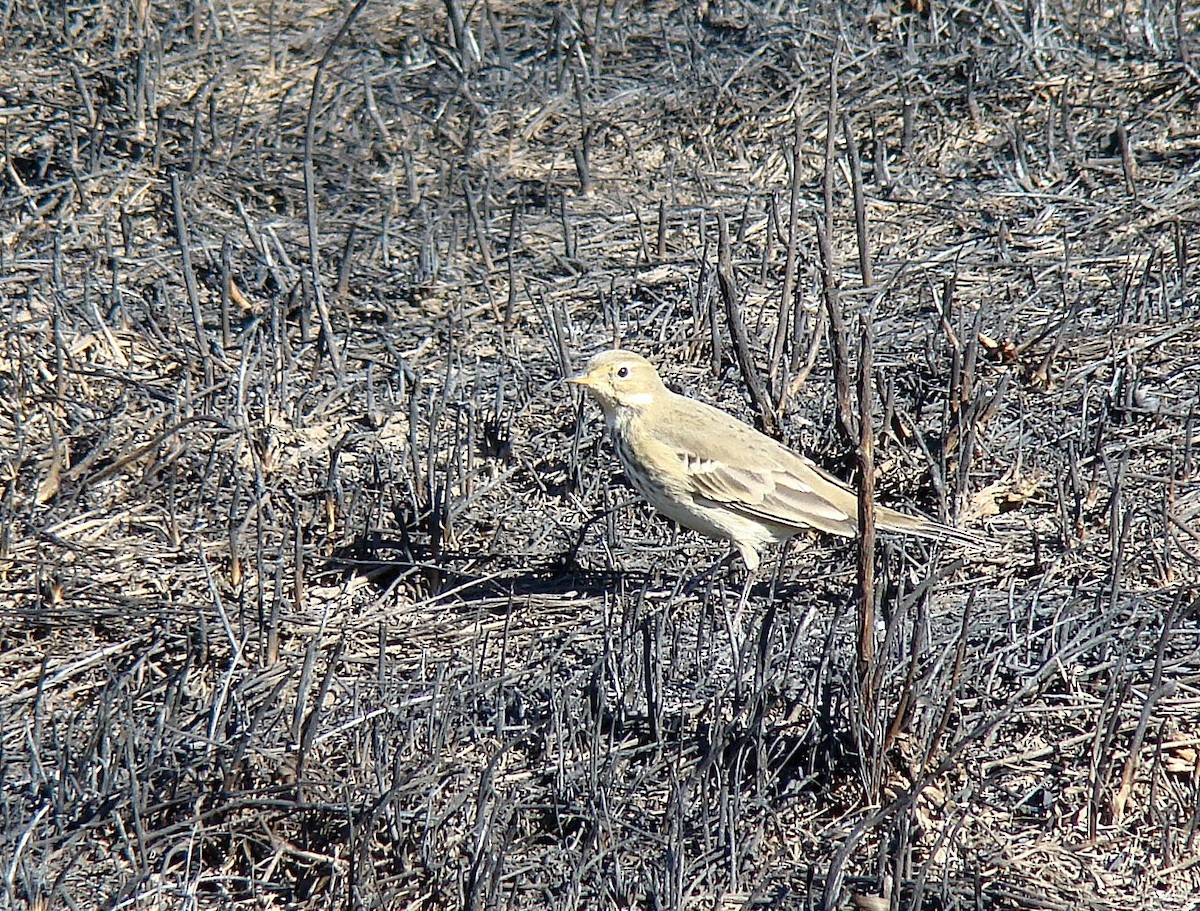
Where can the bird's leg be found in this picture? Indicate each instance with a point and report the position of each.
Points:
(734, 623)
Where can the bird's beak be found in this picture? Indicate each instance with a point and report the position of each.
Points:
(584, 379)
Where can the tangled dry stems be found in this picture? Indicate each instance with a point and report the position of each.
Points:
(318, 590)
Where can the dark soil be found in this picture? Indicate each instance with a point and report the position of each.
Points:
(319, 588)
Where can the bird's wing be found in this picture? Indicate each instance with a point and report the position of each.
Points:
(783, 497)
(730, 463)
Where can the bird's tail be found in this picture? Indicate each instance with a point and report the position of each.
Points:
(902, 523)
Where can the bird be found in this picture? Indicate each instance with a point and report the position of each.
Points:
(711, 472)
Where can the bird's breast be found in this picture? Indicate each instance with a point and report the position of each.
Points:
(653, 467)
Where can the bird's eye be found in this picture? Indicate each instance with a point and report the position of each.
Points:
(622, 372)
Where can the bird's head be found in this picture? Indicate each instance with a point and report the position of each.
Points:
(620, 379)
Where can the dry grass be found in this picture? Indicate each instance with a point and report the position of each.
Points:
(320, 589)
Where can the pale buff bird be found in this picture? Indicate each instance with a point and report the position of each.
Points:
(709, 471)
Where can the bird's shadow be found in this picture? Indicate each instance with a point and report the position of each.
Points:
(389, 564)
(422, 573)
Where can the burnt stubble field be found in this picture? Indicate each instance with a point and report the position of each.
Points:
(320, 589)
